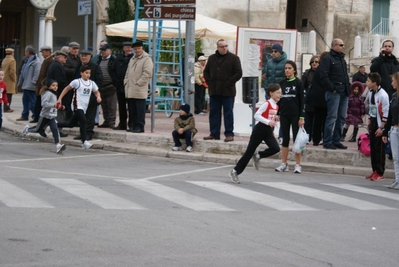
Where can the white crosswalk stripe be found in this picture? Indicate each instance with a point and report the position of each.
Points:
(93, 194)
(13, 196)
(179, 197)
(368, 191)
(327, 196)
(259, 198)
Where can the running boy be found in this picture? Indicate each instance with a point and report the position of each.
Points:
(263, 131)
(81, 95)
(3, 96)
(47, 115)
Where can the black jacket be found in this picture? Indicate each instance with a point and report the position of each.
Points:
(111, 69)
(385, 66)
(57, 72)
(334, 73)
(120, 68)
(359, 77)
(315, 94)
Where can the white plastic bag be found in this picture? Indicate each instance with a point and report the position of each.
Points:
(301, 140)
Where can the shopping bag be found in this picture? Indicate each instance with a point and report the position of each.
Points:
(301, 140)
(363, 144)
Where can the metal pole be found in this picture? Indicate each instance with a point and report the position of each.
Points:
(94, 25)
(86, 32)
(189, 61)
(154, 76)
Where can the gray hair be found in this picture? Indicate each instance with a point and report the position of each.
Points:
(30, 50)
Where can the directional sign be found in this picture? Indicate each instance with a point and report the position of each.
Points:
(172, 13)
(169, 2)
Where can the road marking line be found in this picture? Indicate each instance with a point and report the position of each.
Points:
(368, 191)
(13, 196)
(182, 198)
(327, 196)
(59, 158)
(187, 172)
(253, 196)
(93, 194)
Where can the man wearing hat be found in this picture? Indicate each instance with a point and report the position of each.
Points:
(41, 81)
(120, 68)
(108, 90)
(27, 81)
(138, 75)
(9, 66)
(273, 71)
(361, 75)
(70, 67)
(56, 72)
(199, 101)
(96, 76)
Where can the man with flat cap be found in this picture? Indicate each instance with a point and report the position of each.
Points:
(120, 68)
(57, 72)
(108, 90)
(9, 66)
(41, 81)
(96, 76)
(138, 75)
(70, 66)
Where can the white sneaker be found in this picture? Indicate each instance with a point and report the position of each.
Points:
(234, 176)
(201, 113)
(255, 160)
(177, 148)
(189, 149)
(25, 131)
(60, 148)
(282, 168)
(86, 145)
(393, 185)
(297, 168)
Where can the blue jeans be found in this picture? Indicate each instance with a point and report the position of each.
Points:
(394, 139)
(187, 135)
(216, 103)
(337, 106)
(28, 102)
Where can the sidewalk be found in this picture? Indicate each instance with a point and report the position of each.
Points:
(314, 158)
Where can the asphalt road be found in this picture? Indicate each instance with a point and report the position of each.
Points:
(98, 208)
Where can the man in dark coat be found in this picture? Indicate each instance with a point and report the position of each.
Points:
(334, 78)
(386, 64)
(361, 75)
(221, 73)
(70, 65)
(96, 76)
(120, 68)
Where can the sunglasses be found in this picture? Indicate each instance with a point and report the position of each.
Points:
(311, 62)
(225, 46)
(341, 45)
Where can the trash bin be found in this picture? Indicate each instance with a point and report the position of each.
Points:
(250, 84)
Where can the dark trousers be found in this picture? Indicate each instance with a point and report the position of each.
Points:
(286, 122)
(377, 148)
(217, 102)
(77, 117)
(42, 124)
(320, 115)
(261, 132)
(108, 105)
(91, 113)
(199, 98)
(9, 97)
(122, 109)
(38, 107)
(136, 113)
(187, 135)
(309, 118)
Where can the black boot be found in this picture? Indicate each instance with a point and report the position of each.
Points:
(355, 130)
(345, 130)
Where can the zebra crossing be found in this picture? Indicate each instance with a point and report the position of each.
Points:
(198, 196)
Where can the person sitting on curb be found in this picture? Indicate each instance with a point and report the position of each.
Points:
(184, 128)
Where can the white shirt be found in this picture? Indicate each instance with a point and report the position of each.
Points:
(82, 93)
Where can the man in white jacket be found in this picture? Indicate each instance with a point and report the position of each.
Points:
(138, 75)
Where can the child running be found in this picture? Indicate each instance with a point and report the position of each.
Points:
(82, 90)
(263, 131)
(47, 115)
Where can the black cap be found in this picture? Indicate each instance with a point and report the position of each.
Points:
(137, 44)
(105, 47)
(127, 44)
(85, 52)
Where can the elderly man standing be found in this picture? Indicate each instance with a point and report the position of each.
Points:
(221, 72)
(27, 81)
(361, 75)
(70, 65)
(334, 78)
(41, 81)
(9, 66)
(138, 75)
(108, 90)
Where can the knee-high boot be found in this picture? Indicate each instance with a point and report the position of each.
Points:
(355, 130)
(344, 131)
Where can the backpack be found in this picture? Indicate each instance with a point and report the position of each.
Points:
(363, 144)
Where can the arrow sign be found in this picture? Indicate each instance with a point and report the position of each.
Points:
(169, 13)
(169, 2)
